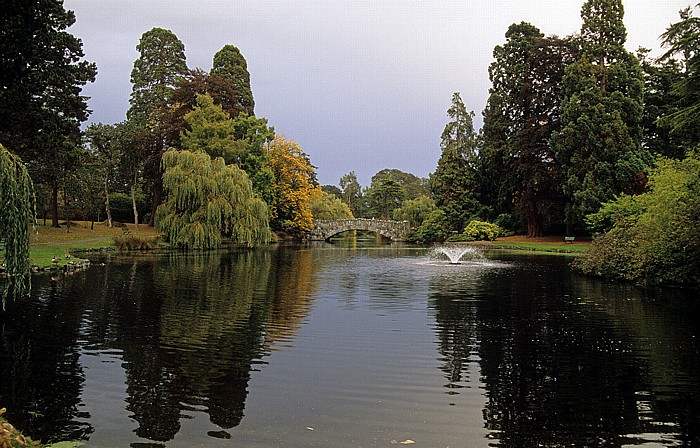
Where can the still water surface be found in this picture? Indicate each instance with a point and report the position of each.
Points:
(325, 346)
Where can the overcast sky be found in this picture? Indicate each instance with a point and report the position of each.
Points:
(360, 85)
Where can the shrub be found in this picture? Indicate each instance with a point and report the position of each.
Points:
(654, 237)
(129, 241)
(481, 230)
(434, 228)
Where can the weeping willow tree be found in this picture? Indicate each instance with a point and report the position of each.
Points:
(17, 213)
(207, 202)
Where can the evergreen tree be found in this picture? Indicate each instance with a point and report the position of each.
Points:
(454, 183)
(160, 66)
(599, 145)
(683, 38)
(517, 166)
(40, 83)
(230, 64)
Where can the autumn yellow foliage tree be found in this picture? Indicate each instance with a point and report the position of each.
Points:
(296, 186)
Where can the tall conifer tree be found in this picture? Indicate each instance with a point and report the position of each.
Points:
(454, 181)
(599, 145)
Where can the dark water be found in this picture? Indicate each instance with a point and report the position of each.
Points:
(350, 347)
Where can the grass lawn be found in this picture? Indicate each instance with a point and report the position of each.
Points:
(552, 244)
(51, 242)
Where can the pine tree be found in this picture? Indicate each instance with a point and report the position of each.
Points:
(230, 64)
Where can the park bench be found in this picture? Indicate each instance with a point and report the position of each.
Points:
(569, 239)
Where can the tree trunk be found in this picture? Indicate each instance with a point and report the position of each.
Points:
(54, 205)
(133, 202)
(109, 211)
(534, 221)
(157, 197)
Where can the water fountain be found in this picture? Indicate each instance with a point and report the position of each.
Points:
(457, 254)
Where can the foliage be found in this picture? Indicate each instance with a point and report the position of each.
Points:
(454, 183)
(482, 231)
(42, 75)
(683, 38)
(122, 207)
(415, 211)
(333, 190)
(103, 145)
(240, 141)
(599, 144)
(352, 192)
(435, 228)
(655, 236)
(11, 437)
(413, 185)
(230, 64)
(326, 206)
(160, 66)
(207, 201)
(130, 241)
(518, 166)
(660, 101)
(17, 214)
(384, 196)
(295, 185)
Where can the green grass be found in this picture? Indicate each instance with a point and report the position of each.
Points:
(541, 247)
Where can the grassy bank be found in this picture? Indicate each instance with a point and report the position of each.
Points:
(59, 246)
(552, 244)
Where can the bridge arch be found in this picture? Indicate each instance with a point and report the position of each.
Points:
(394, 230)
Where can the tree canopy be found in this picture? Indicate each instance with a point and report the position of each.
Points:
(454, 181)
(208, 201)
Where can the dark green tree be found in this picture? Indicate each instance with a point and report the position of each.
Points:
(384, 196)
(454, 182)
(352, 192)
(683, 39)
(102, 141)
(40, 84)
(599, 145)
(517, 165)
(412, 184)
(660, 101)
(230, 64)
(160, 66)
(184, 98)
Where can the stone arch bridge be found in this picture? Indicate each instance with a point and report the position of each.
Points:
(394, 230)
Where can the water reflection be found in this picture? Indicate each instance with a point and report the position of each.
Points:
(564, 358)
(371, 345)
(190, 329)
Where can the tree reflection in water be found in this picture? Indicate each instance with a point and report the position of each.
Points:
(191, 329)
(560, 359)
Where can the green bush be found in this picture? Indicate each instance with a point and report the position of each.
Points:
(652, 238)
(434, 228)
(129, 241)
(481, 231)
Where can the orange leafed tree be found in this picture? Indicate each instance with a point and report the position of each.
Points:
(295, 183)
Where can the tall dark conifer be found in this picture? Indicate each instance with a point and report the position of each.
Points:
(41, 79)
(599, 145)
(230, 64)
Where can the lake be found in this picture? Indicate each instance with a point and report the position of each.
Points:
(350, 345)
